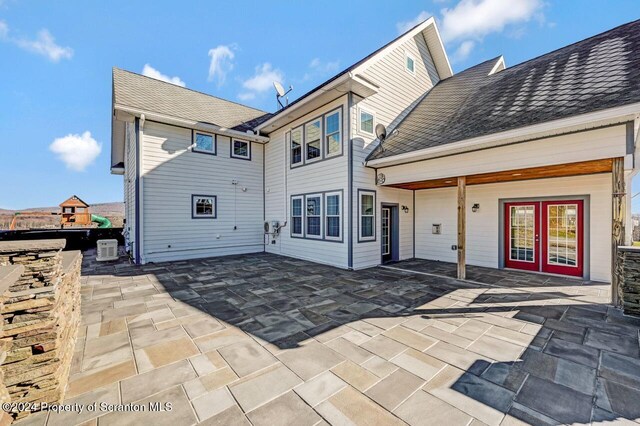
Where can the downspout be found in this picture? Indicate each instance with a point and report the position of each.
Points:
(139, 198)
(136, 242)
(264, 194)
(350, 183)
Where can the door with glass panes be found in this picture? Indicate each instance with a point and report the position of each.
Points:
(545, 236)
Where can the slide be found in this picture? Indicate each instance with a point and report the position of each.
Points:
(102, 222)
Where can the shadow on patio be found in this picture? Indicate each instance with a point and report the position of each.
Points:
(277, 340)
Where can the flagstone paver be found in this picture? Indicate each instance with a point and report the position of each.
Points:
(261, 339)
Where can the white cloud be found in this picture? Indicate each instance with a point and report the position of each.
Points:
(477, 18)
(4, 30)
(246, 96)
(405, 26)
(263, 79)
(221, 64)
(463, 51)
(76, 151)
(318, 68)
(149, 71)
(46, 46)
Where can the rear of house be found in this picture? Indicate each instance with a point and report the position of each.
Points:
(526, 167)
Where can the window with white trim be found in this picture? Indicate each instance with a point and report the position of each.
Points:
(240, 149)
(313, 140)
(410, 63)
(204, 142)
(314, 216)
(296, 216)
(366, 122)
(333, 134)
(203, 207)
(296, 145)
(333, 216)
(367, 215)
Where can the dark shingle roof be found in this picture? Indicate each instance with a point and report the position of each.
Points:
(141, 92)
(594, 74)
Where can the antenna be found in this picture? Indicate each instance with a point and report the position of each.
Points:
(381, 133)
(280, 93)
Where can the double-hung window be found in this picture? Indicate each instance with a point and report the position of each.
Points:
(296, 146)
(240, 149)
(367, 215)
(296, 216)
(366, 122)
(333, 135)
(204, 142)
(312, 140)
(333, 225)
(314, 216)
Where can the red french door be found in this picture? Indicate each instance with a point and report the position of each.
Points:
(546, 236)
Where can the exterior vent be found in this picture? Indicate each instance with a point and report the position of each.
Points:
(107, 250)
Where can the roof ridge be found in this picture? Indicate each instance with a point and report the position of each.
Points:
(191, 90)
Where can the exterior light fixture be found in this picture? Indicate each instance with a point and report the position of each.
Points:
(405, 209)
(475, 207)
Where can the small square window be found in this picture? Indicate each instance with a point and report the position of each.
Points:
(203, 207)
(241, 149)
(366, 122)
(410, 63)
(204, 142)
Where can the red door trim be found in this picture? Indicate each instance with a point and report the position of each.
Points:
(527, 266)
(578, 270)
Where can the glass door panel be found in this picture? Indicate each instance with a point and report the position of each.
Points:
(562, 237)
(522, 236)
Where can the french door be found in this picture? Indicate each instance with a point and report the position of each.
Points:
(386, 234)
(546, 236)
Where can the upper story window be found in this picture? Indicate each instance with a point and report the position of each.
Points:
(296, 145)
(312, 140)
(241, 149)
(318, 139)
(366, 122)
(204, 142)
(203, 207)
(410, 63)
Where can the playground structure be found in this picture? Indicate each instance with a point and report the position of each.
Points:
(73, 213)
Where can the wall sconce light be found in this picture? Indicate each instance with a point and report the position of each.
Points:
(475, 207)
(405, 209)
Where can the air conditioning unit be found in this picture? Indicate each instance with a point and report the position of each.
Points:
(107, 250)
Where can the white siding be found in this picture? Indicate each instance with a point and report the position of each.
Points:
(282, 181)
(171, 173)
(590, 145)
(399, 92)
(439, 206)
(130, 187)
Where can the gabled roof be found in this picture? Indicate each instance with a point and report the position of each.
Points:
(145, 93)
(436, 49)
(73, 201)
(598, 73)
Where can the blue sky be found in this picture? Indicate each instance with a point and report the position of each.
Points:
(56, 60)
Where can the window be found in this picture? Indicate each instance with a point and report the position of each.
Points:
(204, 142)
(312, 139)
(203, 207)
(314, 216)
(332, 216)
(366, 122)
(333, 135)
(367, 213)
(296, 216)
(410, 63)
(296, 146)
(241, 149)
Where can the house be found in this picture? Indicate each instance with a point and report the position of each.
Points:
(519, 167)
(74, 211)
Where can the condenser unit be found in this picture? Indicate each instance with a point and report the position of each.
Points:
(107, 250)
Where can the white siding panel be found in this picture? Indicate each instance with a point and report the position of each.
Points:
(439, 206)
(171, 173)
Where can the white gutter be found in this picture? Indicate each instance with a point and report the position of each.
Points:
(153, 116)
(609, 116)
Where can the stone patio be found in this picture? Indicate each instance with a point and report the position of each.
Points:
(264, 340)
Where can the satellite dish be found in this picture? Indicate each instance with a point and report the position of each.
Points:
(381, 132)
(279, 88)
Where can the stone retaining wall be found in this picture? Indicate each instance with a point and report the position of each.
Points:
(630, 260)
(41, 317)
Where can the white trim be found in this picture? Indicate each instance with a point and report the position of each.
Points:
(498, 66)
(233, 147)
(301, 198)
(407, 56)
(290, 148)
(319, 216)
(339, 215)
(373, 127)
(325, 142)
(360, 216)
(308, 160)
(583, 121)
(194, 146)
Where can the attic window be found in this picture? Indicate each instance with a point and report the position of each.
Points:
(410, 63)
(204, 142)
(241, 149)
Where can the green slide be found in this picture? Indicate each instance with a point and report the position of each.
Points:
(102, 222)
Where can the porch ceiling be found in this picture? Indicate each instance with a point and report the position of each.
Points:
(559, 170)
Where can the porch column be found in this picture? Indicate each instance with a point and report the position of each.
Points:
(617, 226)
(462, 222)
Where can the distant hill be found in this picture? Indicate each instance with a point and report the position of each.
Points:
(113, 211)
